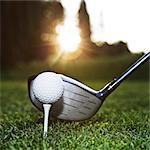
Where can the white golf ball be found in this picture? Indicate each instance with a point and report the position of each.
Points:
(48, 87)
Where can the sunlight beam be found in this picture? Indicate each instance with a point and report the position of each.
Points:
(69, 33)
(68, 37)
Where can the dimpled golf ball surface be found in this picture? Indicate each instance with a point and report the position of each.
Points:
(48, 87)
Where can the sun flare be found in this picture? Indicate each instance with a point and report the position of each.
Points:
(68, 37)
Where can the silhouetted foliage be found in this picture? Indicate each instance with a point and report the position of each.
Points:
(28, 32)
(90, 49)
(22, 23)
(84, 23)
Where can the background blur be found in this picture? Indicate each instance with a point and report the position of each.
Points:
(59, 36)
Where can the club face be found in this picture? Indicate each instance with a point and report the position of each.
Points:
(78, 101)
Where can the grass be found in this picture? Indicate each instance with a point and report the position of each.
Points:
(121, 123)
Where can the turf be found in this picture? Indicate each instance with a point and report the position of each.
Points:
(121, 123)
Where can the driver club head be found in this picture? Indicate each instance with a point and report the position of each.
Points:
(78, 102)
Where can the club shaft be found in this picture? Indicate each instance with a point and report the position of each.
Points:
(116, 82)
(132, 68)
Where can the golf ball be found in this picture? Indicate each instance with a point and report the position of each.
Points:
(48, 87)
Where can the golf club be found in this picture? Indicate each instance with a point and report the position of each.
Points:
(79, 102)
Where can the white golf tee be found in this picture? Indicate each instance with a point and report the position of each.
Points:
(46, 116)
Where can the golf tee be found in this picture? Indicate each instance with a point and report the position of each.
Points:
(46, 116)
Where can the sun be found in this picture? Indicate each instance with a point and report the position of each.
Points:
(68, 37)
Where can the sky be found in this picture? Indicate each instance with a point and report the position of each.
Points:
(115, 20)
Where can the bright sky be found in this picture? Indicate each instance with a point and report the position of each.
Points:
(127, 20)
(69, 33)
(115, 20)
